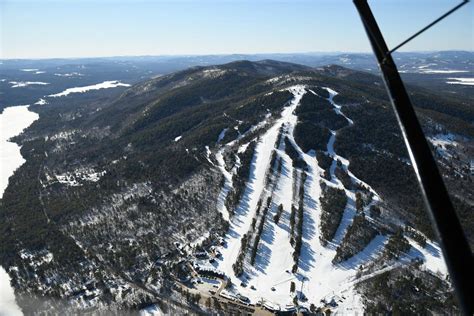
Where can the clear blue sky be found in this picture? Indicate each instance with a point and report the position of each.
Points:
(85, 28)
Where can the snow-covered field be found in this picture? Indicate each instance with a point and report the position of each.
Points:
(13, 121)
(20, 84)
(425, 70)
(8, 306)
(76, 178)
(318, 278)
(35, 71)
(461, 81)
(103, 85)
(153, 310)
(41, 102)
(72, 74)
(450, 71)
(245, 212)
(442, 142)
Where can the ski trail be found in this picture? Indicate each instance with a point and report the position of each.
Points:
(317, 277)
(336, 157)
(350, 209)
(227, 185)
(245, 211)
(271, 276)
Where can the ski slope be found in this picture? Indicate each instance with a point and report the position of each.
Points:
(270, 278)
(245, 211)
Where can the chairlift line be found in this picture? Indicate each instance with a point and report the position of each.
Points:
(456, 250)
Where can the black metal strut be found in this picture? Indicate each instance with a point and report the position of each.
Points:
(456, 250)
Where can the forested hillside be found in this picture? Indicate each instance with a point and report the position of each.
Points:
(253, 159)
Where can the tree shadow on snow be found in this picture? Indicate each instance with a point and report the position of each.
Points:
(264, 253)
(369, 253)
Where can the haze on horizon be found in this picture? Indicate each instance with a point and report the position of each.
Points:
(65, 29)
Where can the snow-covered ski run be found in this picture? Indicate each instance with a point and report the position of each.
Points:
(269, 279)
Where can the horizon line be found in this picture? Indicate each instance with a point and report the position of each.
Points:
(231, 54)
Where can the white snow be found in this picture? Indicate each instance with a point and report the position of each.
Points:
(176, 139)
(425, 70)
(245, 211)
(41, 102)
(8, 305)
(442, 141)
(75, 178)
(13, 121)
(103, 85)
(275, 251)
(20, 84)
(221, 135)
(213, 73)
(36, 258)
(431, 71)
(274, 79)
(345, 60)
(227, 186)
(208, 154)
(317, 277)
(431, 255)
(36, 71)
(72, 74)
(427, 65)
(221, 164)
(153, 310)
(461, 81)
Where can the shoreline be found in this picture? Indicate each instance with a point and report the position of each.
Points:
(13, 121)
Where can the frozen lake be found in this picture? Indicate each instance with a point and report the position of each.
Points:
(7, 298)
(13, 121)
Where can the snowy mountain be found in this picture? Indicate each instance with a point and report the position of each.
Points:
(445, 71)
(264, 185)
